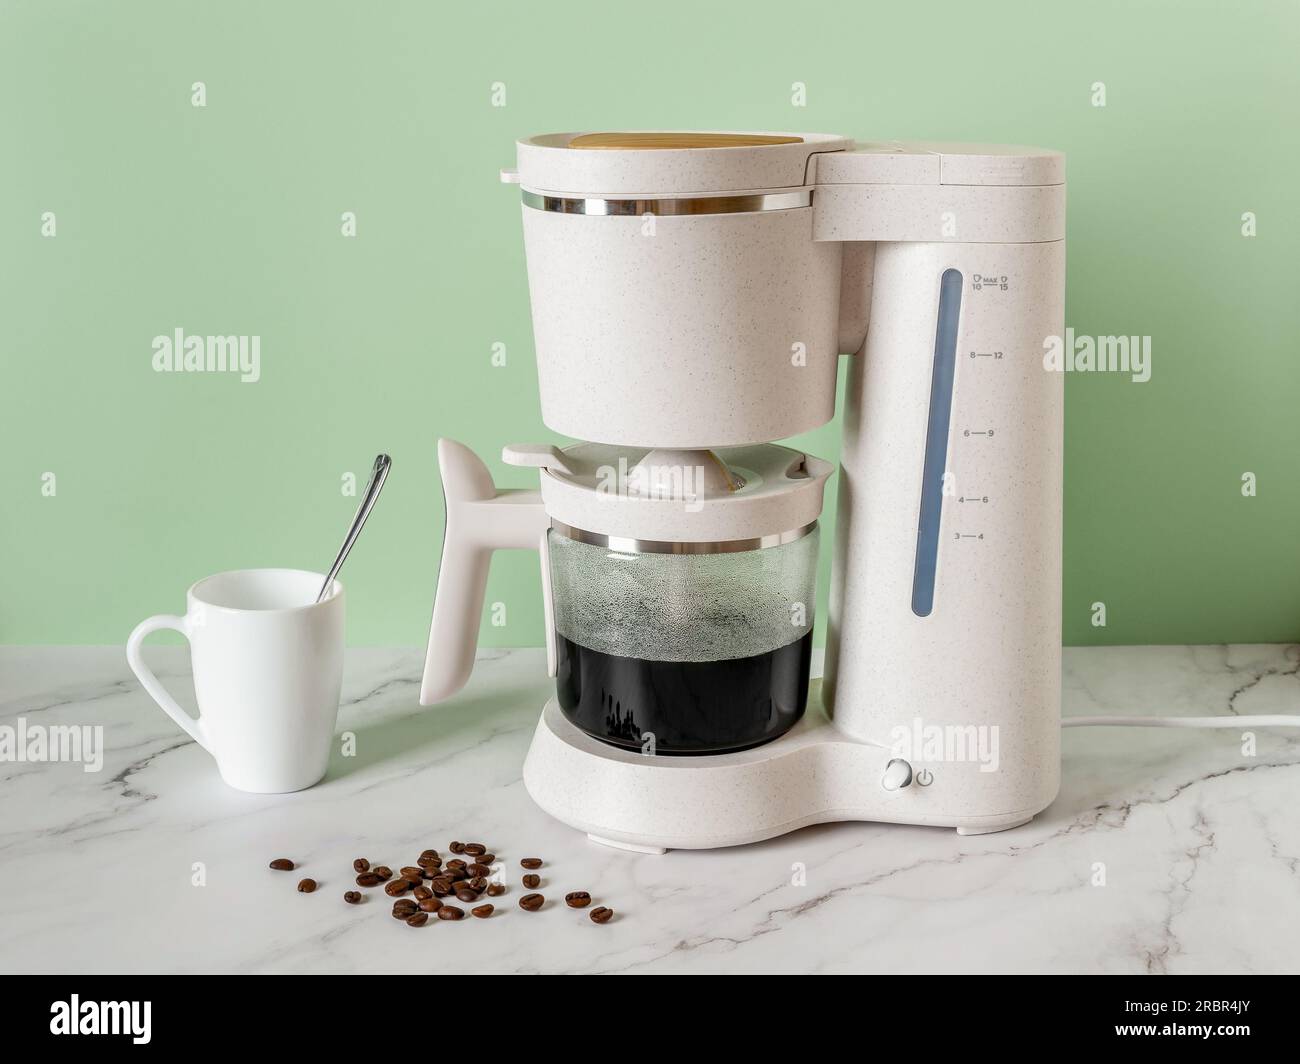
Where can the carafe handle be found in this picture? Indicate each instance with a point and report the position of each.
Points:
(480, 519)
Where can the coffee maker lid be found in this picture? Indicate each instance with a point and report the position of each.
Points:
(658, 163)
(734, 498)
(647, 141)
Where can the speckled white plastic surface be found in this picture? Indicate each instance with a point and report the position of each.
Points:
(989, 654)
(724, 329)
(811, 775)
(480, 520)
(939, 163)
(782, 492)
(690, 332)
(940, 213)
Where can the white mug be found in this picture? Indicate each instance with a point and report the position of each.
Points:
(268, 667)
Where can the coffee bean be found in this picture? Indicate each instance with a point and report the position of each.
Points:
(431, 852)
(306, 886)
(457, 875)
(430, 905)
(475, 848)
(577, 899)
(410, 872)
(531, 902)
(282, 864)
(451, 912)
(495, 890)
(482, 911)
(531, 862)
(477, 869)
(383, 872)
(532, 881)
(478, 883)
(601, 915)
(404, 905)
(396, 888)
(457, 847)
(466, 895)
(402, 914)
(361, 865)
(417, 919)
(487, 858)
(427, 863)
(441, 886)
(422, 892)
(456, 863)
(352, 897)
(368, 879)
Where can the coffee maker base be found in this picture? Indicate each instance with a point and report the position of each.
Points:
(811, 775)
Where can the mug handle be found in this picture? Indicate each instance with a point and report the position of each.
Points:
(192, 725)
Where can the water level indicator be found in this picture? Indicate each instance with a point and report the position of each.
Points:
(936, 443)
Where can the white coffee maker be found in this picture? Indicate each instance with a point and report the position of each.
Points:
(692, 294)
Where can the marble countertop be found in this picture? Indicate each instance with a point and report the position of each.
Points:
(1200, 844)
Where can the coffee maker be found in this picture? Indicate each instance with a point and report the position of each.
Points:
(692, 294)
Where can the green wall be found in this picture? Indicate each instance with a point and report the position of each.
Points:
(225, 219)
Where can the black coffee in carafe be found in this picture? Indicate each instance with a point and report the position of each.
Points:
(684, 707)
(683, 653)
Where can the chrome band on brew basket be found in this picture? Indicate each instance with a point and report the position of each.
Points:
(628, 545)
(739, 204)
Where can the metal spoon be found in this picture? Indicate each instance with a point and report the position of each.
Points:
(377, 477)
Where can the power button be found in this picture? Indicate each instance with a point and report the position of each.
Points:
(898, 774)
(924, 778)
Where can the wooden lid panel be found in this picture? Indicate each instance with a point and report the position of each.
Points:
(670, 141)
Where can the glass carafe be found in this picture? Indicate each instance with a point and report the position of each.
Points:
(667, 650)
